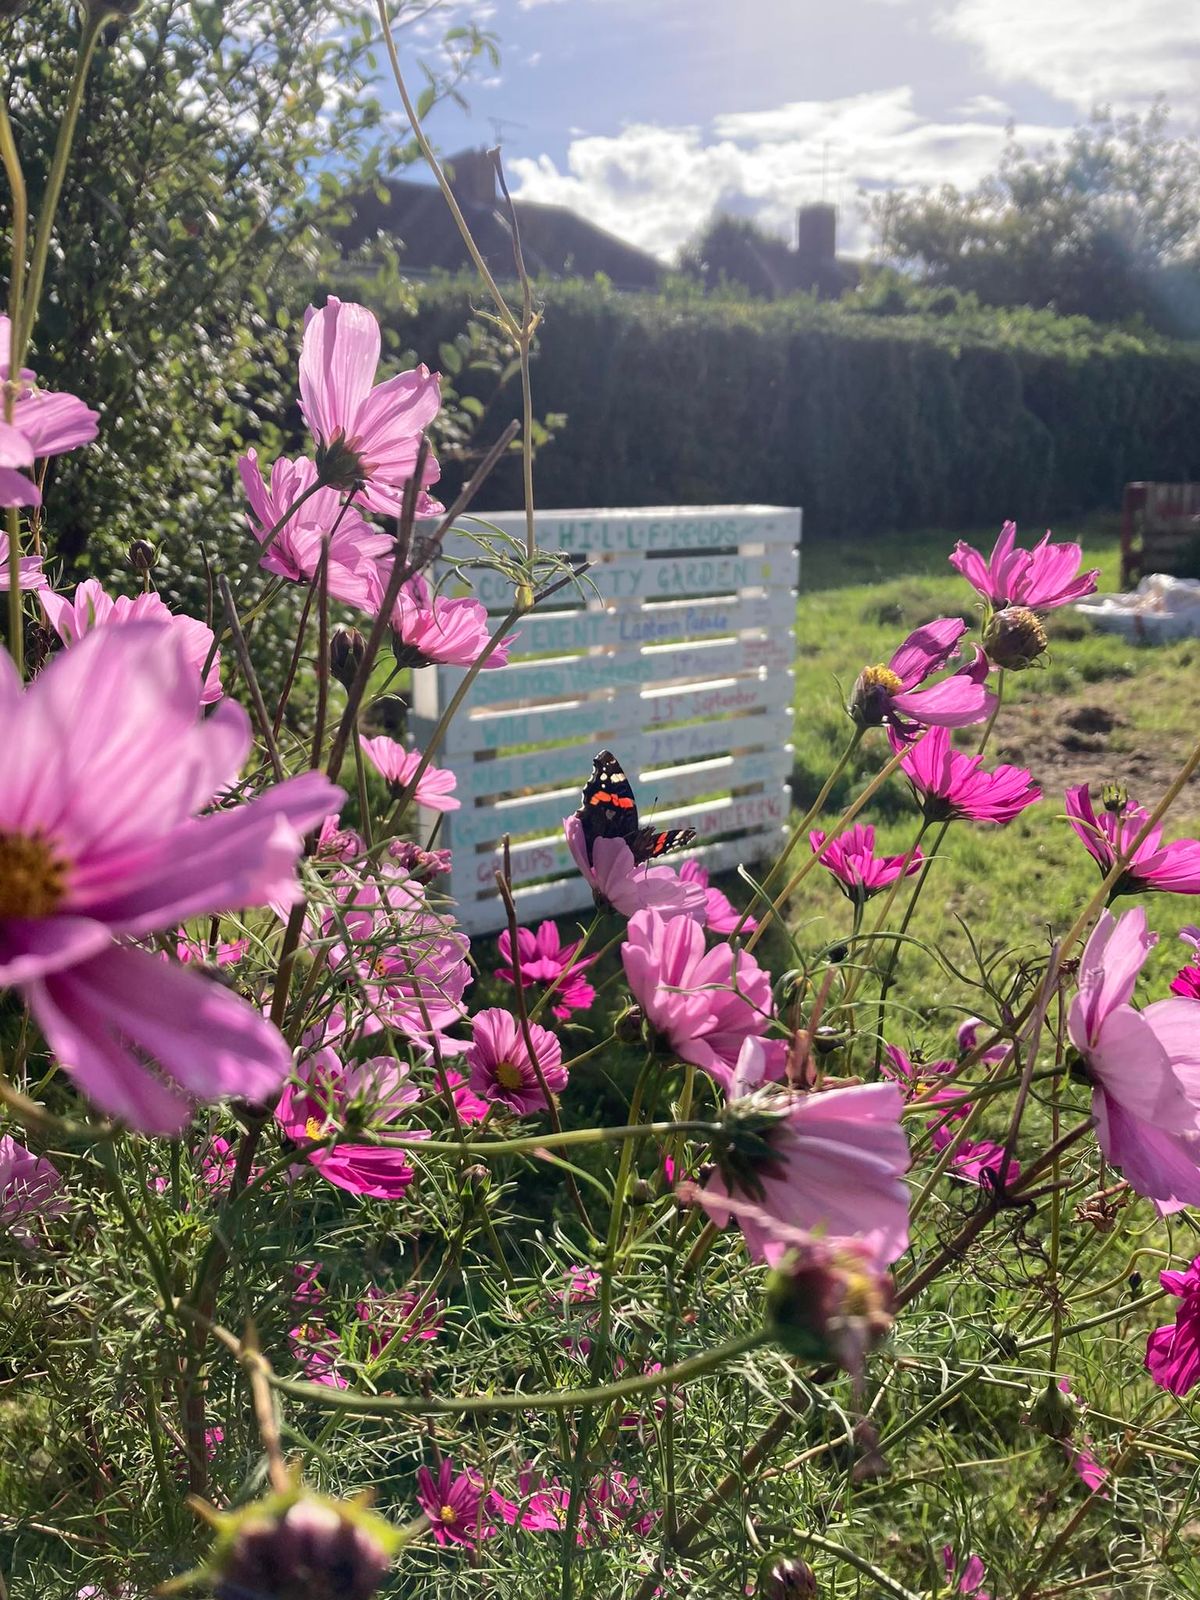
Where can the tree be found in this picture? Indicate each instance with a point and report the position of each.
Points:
(1107, 226)
(737, 250)
(217, 142)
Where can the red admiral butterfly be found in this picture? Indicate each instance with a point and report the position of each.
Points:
(609, 811)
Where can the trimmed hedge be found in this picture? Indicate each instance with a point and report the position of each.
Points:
(868, 422)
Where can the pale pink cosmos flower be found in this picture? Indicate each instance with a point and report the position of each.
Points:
(392, 761)
(1173, 1352)
(366, 433)
(620, 884)
(355, 545)
(197, 952)
(951, 785)
(90, 607)
(456, 1504)
(107, 765)
(851, 859)
(970, 1580)
(30, 574)
(29, 1189)
(891, 695)
(704, 1004)
(502, 1068)
(720, 914)
(1144, 1066)
(1041, 578)
(43, 424)
(543, 960)
(1173, 868)
(834, 1166)
(374, 1096)
(429, 628)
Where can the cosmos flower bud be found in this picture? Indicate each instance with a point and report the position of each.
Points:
(830, 1302)
(347, 649)
(1051, 1411)
(300, 1546)
(142, 556)
(789, 1579)
(641, 1193)
(1014, 638)
(1115, 798)
(629, 1026)
(871, 696)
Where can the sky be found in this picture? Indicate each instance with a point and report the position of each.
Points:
(645, 115)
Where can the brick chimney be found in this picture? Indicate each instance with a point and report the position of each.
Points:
(472, 178)
(816, 233)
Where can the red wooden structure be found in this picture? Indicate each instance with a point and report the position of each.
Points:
(1160, 530)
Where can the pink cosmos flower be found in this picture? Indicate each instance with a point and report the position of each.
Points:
(456, 1505)
(620, 884)
(834, 1165)
(611, 1500)
(1187, 980)
(107, 766)
(1080, 1454)
(316, 1349)
(970, 1580)
(541, 1504)
(968, 1037)
(429, 628)
(720, 915)
(30, 574)
(1173, 868)
(370, 1096)
(306, 1290)
(423, 865)
(195, 952)
(29, 1189)
(977, 1161)
(366, 433)
(468, 1105)
(397, 1316)
(887, 694)
(1041, 578)
(92, 608)
(501, 1068)
(43, 424)
(355, 545)
(393, 762)
(543, 960)
(335, 843)
(859, 871)
(1173, 1352)
(410, 960)
(923, 1080)
(949, 784)
(704, 1003)
(1144, 1066)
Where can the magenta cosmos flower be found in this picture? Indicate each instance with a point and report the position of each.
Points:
(502, 1068)
(619, 884)
(720, 914)
(950, 785)
(43, 424)
(392, 761)
(972, 1577)
(891, 695)
(1144, 1066)
(397, 1317)
(834, 1163)
(30, 574)
(367, 1096)
(366, 433)
(456, 1505)
(295, 552)
(859, 871)
(1172, 868)
(100, 843)
(90, 607)
(1041, 578)
(704, 1004)
(543, 960)
(1173, 1352)
(1187, 980)
(429, 628)
(29, 1190)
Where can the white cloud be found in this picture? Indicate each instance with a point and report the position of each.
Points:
(656, 185)
(1120, 52)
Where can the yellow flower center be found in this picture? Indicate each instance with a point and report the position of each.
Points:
(314, 1129)
(32, 876)
(508, 1076)
(881, 677)
(448, 1514)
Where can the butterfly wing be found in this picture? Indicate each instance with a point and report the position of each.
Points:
(607, 808)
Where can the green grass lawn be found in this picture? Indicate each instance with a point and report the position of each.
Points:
(1099, 709)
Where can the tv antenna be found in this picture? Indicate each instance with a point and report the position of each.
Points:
(498, 126)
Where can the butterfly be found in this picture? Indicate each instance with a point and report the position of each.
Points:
(608, 810)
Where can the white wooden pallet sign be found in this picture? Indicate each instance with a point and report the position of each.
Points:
(676, 652)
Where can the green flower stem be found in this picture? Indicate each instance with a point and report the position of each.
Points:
(802, 827)
(530, 1144)
(20, 209)
(683, 1372)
